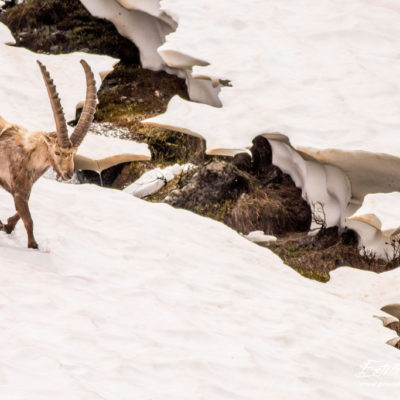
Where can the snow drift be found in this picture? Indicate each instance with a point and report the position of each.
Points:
(378, 222)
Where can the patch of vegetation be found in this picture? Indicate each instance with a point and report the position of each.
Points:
(393, 259)
(315, 256)
(131, 94)
(273, 208)
(55, 26)
(222, 191)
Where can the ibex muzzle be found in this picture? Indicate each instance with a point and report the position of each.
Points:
(25, 156)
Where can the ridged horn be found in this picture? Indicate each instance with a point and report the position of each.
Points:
(89, 108)
(58, 112)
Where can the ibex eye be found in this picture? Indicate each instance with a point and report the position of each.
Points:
(57, 153)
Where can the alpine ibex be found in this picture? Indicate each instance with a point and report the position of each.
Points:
(25, 156)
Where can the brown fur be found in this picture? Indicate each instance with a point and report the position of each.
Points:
(24, 157)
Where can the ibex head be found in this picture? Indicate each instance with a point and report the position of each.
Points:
(62, 148)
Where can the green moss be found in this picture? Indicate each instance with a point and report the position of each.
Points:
(291, 249)
(315, 275)
(217, 211)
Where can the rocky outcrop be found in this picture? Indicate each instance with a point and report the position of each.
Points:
(248, 195)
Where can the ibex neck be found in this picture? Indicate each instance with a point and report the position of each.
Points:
(39, 160)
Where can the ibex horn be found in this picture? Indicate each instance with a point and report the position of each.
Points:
(59, 118)
(89, 108)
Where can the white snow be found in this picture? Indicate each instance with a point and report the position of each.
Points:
(260, 237)
(23, 96)
(152, 181)
(128, 299)
(377, 222)
(142, 28)
(151, 7)
(98, 147)
(321, 184)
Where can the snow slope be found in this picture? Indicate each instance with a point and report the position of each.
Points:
(128, 299)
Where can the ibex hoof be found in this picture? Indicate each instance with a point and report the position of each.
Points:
(33, 245)
(8, 229)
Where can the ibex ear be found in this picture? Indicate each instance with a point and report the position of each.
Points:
(48, 140)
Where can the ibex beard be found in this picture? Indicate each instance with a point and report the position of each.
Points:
(25, 156)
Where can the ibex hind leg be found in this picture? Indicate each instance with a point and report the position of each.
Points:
(11, 222)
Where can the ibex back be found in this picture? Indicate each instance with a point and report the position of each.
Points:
(25, 156)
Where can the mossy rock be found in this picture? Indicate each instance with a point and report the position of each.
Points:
(221, 191)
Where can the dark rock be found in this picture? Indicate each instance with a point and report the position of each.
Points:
(262, 155)
(243, 162)
(211, 185)
(263, 168)
(349, 237)
(222, 191)
(78, 113)
(59, 36)
(8, 4)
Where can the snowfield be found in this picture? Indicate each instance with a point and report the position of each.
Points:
(133, 300)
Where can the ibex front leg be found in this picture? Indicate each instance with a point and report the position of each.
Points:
(21, 205)
(11, 222)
